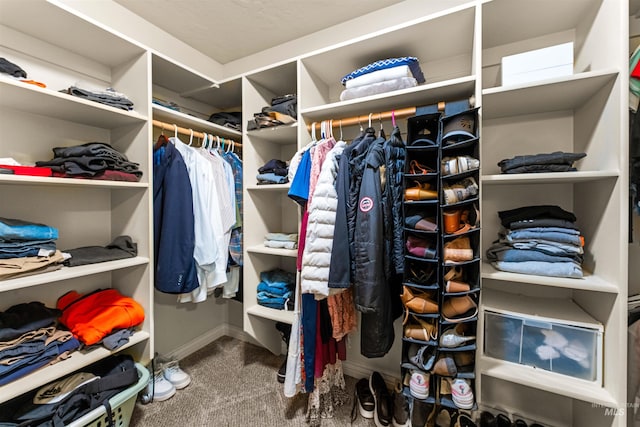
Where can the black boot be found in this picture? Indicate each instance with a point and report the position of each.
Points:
(285, 331)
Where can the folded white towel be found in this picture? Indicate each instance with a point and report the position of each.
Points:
(379, 76)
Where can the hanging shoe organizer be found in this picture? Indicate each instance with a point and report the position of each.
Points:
(441, 283)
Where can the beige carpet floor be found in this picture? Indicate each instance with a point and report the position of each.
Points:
(234, 384)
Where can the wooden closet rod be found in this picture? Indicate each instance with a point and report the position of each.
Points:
(385, 115)
(184, 131)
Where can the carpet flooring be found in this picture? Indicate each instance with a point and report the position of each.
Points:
(234, 384)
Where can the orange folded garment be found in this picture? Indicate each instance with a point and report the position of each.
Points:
(93, 316)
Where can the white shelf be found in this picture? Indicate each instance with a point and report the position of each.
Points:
(548, 381)
(261, 249)
(46, 102)
(284, 316)
(283, 134)
(71, 182)
(270, 187)
(587, 283)
(557, 94)
(190, 122)
(66, 273)
(47, 374)
(427, 94)
(547, 178)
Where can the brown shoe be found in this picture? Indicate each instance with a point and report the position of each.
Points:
(418, 302)
(458, 250)
(453, 286)
(445, 367)
(421, 191)
(457, 309)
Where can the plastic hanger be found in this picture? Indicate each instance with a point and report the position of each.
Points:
(191, 137)
(393, 118)
(175, 130)
(205, 140)
(341, 139)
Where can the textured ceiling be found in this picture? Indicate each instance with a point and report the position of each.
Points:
(226, 30)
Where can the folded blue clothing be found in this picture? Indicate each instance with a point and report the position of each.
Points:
(277, 289)
(411, 61)
(553, 236)
(12, 230)
(272, 178)
(26, 248)
(504, 252)
(548, 246)
(538, 268)
(277, 276)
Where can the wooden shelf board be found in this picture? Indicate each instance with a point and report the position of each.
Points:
(588, 283)
(548, 178)
(66, 273)
(261, 249)
(563, 385)
(46, 102)
(78, 360)
(283, 134)
(284, 316)
(269, 187)
(556, 94)
(190, 122)
(416, 96)
(70, 182)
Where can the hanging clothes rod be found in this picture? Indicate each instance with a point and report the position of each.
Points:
(170, 127)
(363, 120)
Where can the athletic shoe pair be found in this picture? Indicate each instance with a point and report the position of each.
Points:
(167, 379)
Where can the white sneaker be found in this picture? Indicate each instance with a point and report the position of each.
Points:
(162, 389)
(176, 376)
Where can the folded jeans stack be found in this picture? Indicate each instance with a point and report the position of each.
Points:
(539, 240)
(275, 171)
(276, 289)
(281, 240)
(27, 248)
(382, 76)
(557, 161)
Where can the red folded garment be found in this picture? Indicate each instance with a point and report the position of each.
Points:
(28, 170)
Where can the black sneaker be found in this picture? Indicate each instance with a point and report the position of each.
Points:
(421, 412)
(282, 372)
(363, 400)
(383, 413)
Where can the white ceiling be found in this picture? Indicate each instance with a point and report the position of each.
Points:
(226, 30)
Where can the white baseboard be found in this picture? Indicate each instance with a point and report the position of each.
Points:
(209, 337)
(357, 370)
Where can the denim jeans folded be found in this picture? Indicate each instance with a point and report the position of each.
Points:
(102, 97)
(537, 268)
(26, 248)
(272, 178)
(503, 252)
(565, 230)
(547, 246)
(553, 236)
(12, 230)
(534, 212)
(557, 157)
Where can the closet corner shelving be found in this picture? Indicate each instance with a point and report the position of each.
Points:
(583, 112)
(34, 120)
(267, 208)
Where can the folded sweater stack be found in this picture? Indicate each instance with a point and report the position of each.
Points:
(382, 76)
(539, 240)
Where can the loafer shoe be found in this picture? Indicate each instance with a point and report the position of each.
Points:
(383, 413)
(503, 421)
(487, 419)
(363, 400)
(419, 385)
(462, 420)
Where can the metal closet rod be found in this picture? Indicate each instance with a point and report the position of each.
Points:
(188, 132)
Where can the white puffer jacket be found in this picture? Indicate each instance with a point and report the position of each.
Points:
(316, 258)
